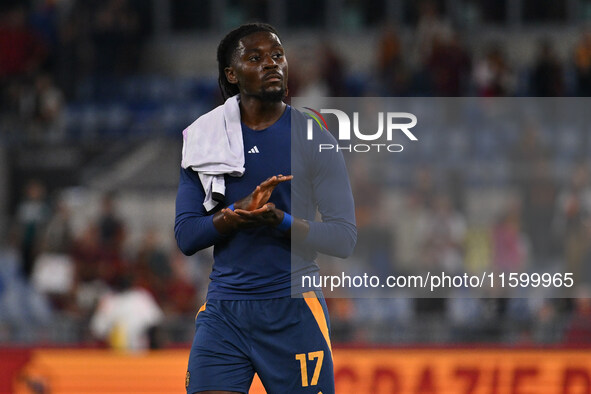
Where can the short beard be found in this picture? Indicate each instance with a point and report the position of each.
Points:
(273, 96)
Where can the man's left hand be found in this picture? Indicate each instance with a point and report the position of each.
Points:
(267, 215)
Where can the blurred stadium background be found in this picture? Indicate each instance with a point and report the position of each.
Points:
(94, 96)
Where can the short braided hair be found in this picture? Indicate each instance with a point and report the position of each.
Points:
(226, 50)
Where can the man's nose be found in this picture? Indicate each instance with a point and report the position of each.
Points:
(269, 62)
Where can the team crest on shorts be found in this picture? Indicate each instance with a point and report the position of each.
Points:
(187, 378)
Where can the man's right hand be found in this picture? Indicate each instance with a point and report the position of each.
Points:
(261, 194)
(226, 221)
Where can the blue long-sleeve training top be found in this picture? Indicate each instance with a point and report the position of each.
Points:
(261, 262)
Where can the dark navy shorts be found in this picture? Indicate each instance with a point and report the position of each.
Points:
(284, 340)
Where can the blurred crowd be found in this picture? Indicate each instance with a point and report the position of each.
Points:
(57, 52)
(49, 47)
(536, 224)
(89, 284)
(434, 60)
(91, 278)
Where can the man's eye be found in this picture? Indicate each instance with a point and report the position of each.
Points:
(253, 58)
(278, 55)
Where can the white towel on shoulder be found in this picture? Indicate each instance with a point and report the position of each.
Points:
(212, 146)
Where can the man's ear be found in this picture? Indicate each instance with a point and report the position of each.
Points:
(230, 75)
